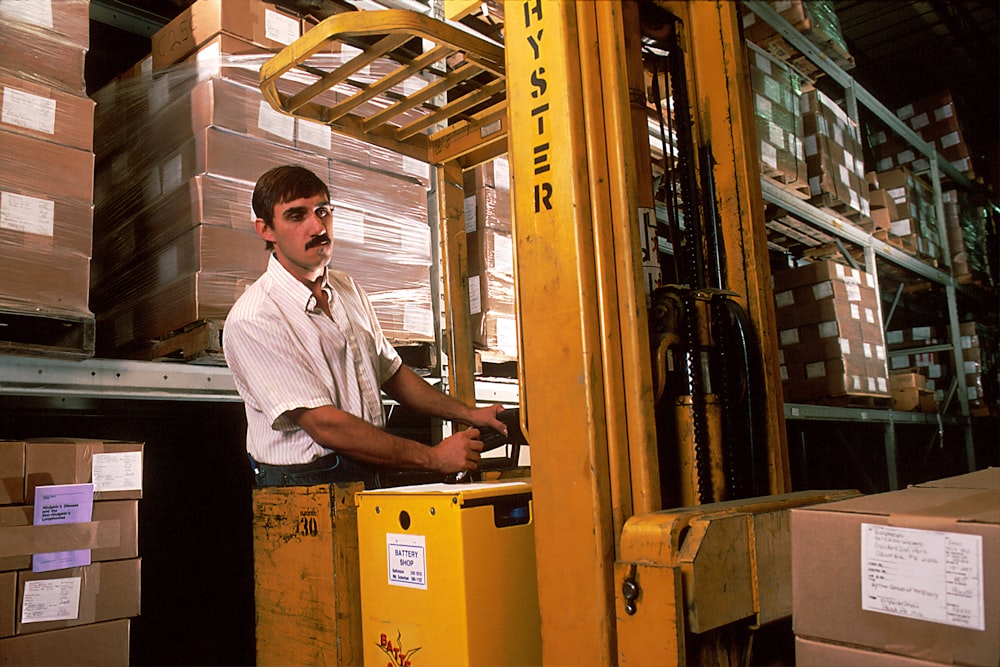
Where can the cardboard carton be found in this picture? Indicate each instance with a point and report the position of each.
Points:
(11, 472)
(813, 653)
(915, 572)
(95, 645)
(114, 466)
(107, 591)
(47, 113)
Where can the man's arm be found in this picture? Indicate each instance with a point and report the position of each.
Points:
(357, 439)
(414, 392)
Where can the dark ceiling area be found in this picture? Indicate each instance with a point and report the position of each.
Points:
(903, 50)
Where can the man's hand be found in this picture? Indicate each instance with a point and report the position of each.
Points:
(487, 416)
(459, 451)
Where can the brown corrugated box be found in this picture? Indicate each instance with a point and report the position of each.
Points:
(65, 20)
(46, 223)
(253, 20)
(814, 653)
(43, 112)
(109, 590)
(26, 280)
(112, 534)
(34, 166)
(833, 154)
(94, 645)
(11, 472)
(910, 526)
(33, 53)
(72, 461)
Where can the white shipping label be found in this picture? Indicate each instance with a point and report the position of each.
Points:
(475, 296)
(503, 254)
(810, 145)
(923, 574)
(35, 12)
(275, 122)
(972, 367)
(900, 227)
(501, 174)
(51, 600)
(507, 336)
(817, 369)
(880, 352)
(920, 121)
(872, 384)
(855, 312)
(171, 173)
(921, 333)
(763, 106)
(944, 112)
(815, 185)
(845, 345)
(117, 471)
(882, 384)
(776, 135)
(897, 362)
(209, 61)
(898, 194)
(470, 214)
(905, 112)
(772, 90)
(783, 299)
(768, 155)
(418, 319)
(870, 281)
(845, 176)
(415, 167)
(280, 28)
(32, 112)
(856, 384)
(158, 94)
(762, 62)
(407, 560)
(838, 134)
(829, 329)
(823, 290)
(315, 134)
(905, 157)
(867, 347)
(349, 225)
(884, 164)
(784, 373)
(22, 213)
(789, 336)
(853, 291)
(950, 139)
(870, 315)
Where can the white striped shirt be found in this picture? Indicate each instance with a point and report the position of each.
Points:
(285, 353)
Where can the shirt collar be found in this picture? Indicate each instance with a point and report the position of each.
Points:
(295, 288)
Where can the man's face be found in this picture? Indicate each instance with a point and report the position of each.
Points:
(302, 235)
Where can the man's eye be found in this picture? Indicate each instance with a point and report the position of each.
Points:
(323, 212)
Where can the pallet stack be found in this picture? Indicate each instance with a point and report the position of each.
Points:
(830, 334)
(182, 139)
(69, 578)
(46, 179)
(490, 248)
(815, 19)
(909, 202)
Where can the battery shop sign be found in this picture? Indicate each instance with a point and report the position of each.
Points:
(540, 111)
(406, 560)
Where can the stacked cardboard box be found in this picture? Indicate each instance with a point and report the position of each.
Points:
(935, 120)
(833, 155)
(966, 226)
(490, 247)
(777, 88)
(830, 333)
(68, 589)
(46, 158)
(180, 146)
(913, 221)
(816, 19)
(938, 368)
(900, 578)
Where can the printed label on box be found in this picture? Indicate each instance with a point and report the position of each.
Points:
(32, 112)
(507, 336)
(315, 134)
(275, 122)
(117, 471)
(470, 214)
(923, 574)
(782, 299)
(475, 296)
(407, 560)
(22, 213)
(418, 319)
(280, 28)
(51, 600)
(57, 504)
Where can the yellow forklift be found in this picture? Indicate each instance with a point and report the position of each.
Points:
(647, 380)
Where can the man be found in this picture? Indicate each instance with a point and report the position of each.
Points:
(310, 360)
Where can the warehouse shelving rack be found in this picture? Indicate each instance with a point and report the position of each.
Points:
(875, 250)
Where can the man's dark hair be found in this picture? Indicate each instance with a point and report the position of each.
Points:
(283, 184)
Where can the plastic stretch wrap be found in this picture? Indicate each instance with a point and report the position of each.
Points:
(179, 151)
(914, 225)
(966, 234)
(815, 19)
(46, 163)
(777, 117)
(834, 158)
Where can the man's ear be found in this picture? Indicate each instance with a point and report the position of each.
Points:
(263, 230)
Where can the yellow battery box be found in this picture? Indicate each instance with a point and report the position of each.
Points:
(448, 575)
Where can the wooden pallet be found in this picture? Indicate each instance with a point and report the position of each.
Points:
(198, 343)
(870, 401)
(46, 334)
(793, 185)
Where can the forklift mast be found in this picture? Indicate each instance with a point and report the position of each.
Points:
(565, 97)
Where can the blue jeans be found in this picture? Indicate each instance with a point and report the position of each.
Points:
(324, 470)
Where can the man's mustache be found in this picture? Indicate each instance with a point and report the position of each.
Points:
(322, 239)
